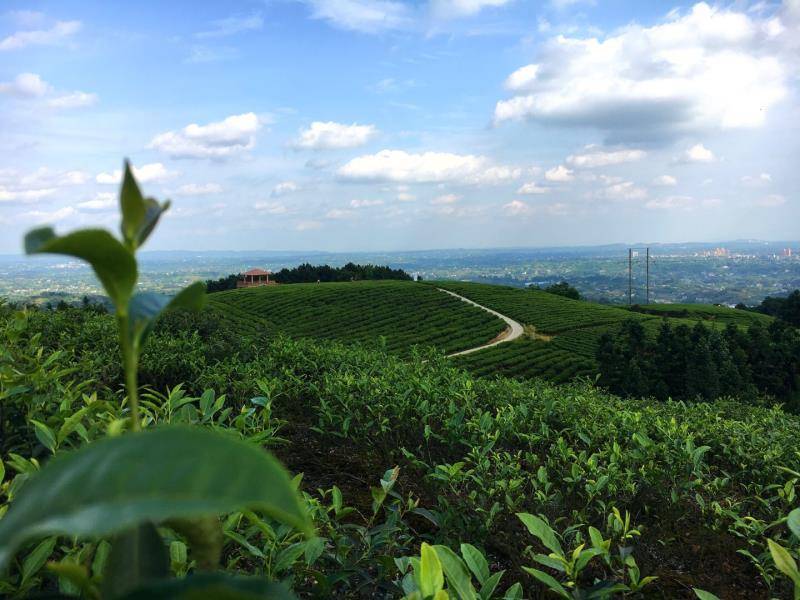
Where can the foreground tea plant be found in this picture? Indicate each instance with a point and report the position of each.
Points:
(124, 486)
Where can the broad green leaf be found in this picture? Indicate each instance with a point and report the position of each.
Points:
(514, 592)
(784, 561)
(704, 595)
(549, 581)
(36, 559)
(542, 531)
(287, 557)
(793, 521)
(491, 583)
(476, 562)
(458, 576)
(145, 308)
(45, 435)
(138, 556)
(153, 212)
(115, 483)
(113, 264)
(430, 578)
(217, 586)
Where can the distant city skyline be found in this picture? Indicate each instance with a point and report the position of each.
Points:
(383, 125)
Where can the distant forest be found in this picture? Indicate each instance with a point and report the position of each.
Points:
(786, 309)
(308, 273)
(700, 362)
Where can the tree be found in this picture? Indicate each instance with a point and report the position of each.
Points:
(563, 289)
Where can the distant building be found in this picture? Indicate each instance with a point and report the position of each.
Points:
(255, 278)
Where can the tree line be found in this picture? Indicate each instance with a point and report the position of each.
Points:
(308, 273)
(786, 309)
(700, 362)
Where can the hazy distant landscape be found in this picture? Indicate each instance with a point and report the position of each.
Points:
(723, 272)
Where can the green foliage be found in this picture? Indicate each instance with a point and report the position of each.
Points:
(402, 314)
(103, 488)
(563, 289)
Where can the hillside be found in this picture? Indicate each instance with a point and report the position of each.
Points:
(404, 313)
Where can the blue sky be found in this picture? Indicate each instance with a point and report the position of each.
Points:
(389, 125)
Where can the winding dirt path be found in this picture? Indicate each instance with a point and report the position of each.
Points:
(512, 332)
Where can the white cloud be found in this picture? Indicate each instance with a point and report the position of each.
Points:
(146, 173)
(16, 186)
(40, 37)
(366, 16)
(757, 180)
(271, 208)
(592, 156)
(283, 188)
(428, 167)
(221, 139)
(686, 203)
(73, 100)
(517, 208)
(307, 225)
(101, 201)
(30, 86)
(446, 199)
(710, 68)
(665, 181)
(42, 216)
(405, 197)
(357, 203)
(26, 85)
(559, 174)
(771, 201)
(452, 9)
(532, 188)
(329, 135)
(698, 153)
(198, 189)
(625, 190)
(233, 25)
(339, 213)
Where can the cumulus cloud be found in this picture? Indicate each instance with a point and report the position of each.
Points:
(52, 216)
(446, 199)
(233, 25)
(517, 208)
(771, 201)
(271, 208)
(339, 213)
(594, 156)
(30, 86)
(366, 16)
(756, 180)
(428, 167)
(709, 68)
(365, 203)
(283, 188)
(198, 189)
(699, 154)
(330, 135)
(452, 9)
(153, 172)
(307, 225)
(101, 201)
(665, 181)
(221, 139)
(625, 190)
(16, 186)
(532, 188)
(681, 203)
(559, 174)
(40, 37)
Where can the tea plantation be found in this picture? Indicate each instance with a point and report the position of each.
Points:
(405, 314)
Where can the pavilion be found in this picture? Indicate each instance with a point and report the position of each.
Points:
(254, 278)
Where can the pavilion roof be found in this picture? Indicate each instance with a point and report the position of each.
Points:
(257, 272)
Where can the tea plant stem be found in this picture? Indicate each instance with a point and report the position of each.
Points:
(131, 363)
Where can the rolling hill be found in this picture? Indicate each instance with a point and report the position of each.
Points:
(561, 336)
(404, 313)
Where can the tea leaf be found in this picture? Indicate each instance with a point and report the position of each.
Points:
(475, 561)
(137, 556)
(549, 581)
(113, 264)
(146, 307)
(704, 595)
(793, 521)
(784, 561)
(118, 482)
(542, 531)
(458, 577)
(429, 575)
(212, 585)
